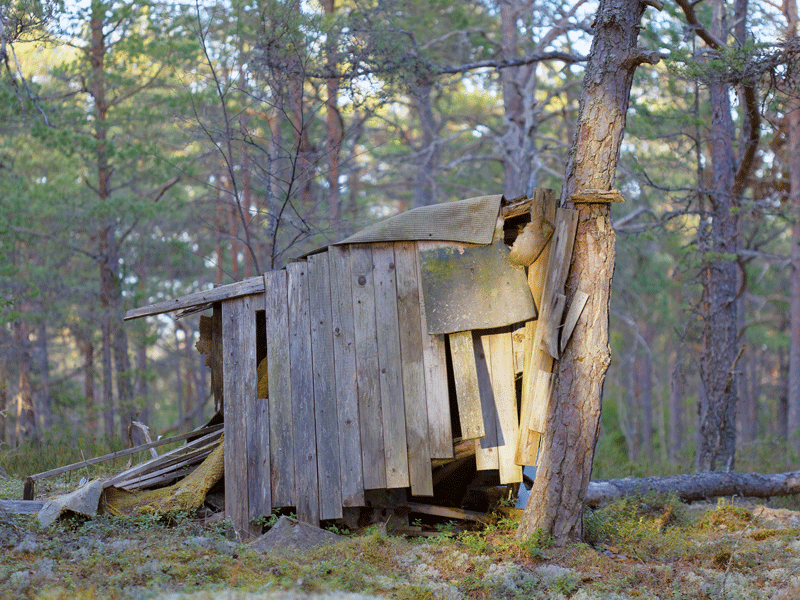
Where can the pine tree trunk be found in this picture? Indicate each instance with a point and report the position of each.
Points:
(427, 160)
(26, 415)
(717, 429)
(556, 501)
(793, 121)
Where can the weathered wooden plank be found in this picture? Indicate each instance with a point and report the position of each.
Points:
(434, 359)
(119, 453)
(22, 507)
(216, 357)
(554, 324)
(254, 285)
(543, 209)
(485, 447)
(557, 270)
(367, 369)
(518, 339)
(281, 442)
(258, 473)
(239, 388)
(543, 387)
(391, 371)
(327, 426)
(468, 394)
(302, 382)
(505, 397)
(573, 314)
(344, 353)
(419, 456)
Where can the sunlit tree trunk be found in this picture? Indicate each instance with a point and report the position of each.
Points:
(556, 502)
(25, 412)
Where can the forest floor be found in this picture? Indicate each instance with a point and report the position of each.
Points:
(638, 548)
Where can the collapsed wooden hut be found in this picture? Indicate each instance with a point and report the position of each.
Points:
(336, 374)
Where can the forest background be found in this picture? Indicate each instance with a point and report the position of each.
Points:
(153, 149)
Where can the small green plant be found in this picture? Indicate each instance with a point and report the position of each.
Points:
(536, 544)
(565, 584)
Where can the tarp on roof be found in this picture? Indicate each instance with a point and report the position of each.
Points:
(470, 221)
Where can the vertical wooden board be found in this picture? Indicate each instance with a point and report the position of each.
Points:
(485, 447)
(557, 270)
(280, 389)
(260, 493)
(239, 389)
(468, 393)
(419, 456)
(367, 369)
(327, 426)
(302, 382)
(434, 359)
(518, 340)
(216, 356)
(391, 371)
(505, 397)
(528, 441)
(344, 348)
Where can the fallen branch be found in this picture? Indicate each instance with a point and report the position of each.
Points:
(694, 487)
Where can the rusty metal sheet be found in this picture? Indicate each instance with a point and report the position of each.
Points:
(472, 287)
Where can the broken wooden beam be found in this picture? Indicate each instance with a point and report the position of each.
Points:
(29, 492)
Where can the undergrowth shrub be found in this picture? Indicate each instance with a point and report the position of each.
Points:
(649, 527)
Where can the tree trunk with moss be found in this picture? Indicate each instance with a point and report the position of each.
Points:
(556, 502)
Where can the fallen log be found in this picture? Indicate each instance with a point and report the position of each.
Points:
(694, 487)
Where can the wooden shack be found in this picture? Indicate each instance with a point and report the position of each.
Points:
(363, 344)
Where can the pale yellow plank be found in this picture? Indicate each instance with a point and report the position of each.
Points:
(468, 395)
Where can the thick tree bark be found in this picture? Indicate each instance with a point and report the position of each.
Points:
(427, 161)
(793, 122)
(26, 416)
(519, 85)
(717, 439)
(556, 502)
(694, 487)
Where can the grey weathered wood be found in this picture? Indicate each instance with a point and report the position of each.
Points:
(468, 394)
(573, 314)
(172, 457)
(485, 447)
(258, 463)
(216, 357)
(254, 285)
(302, 381)
(22, 507)
(280, 389)
(367, 370)
(239, 389)
(344, 353)
(327, 426)
(419, 456)
(111, 456)
(557, 270)
(505, 397)
(390, 364)
(258, 458)
(434, 358)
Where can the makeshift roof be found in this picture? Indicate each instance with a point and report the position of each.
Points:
(470, 221)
